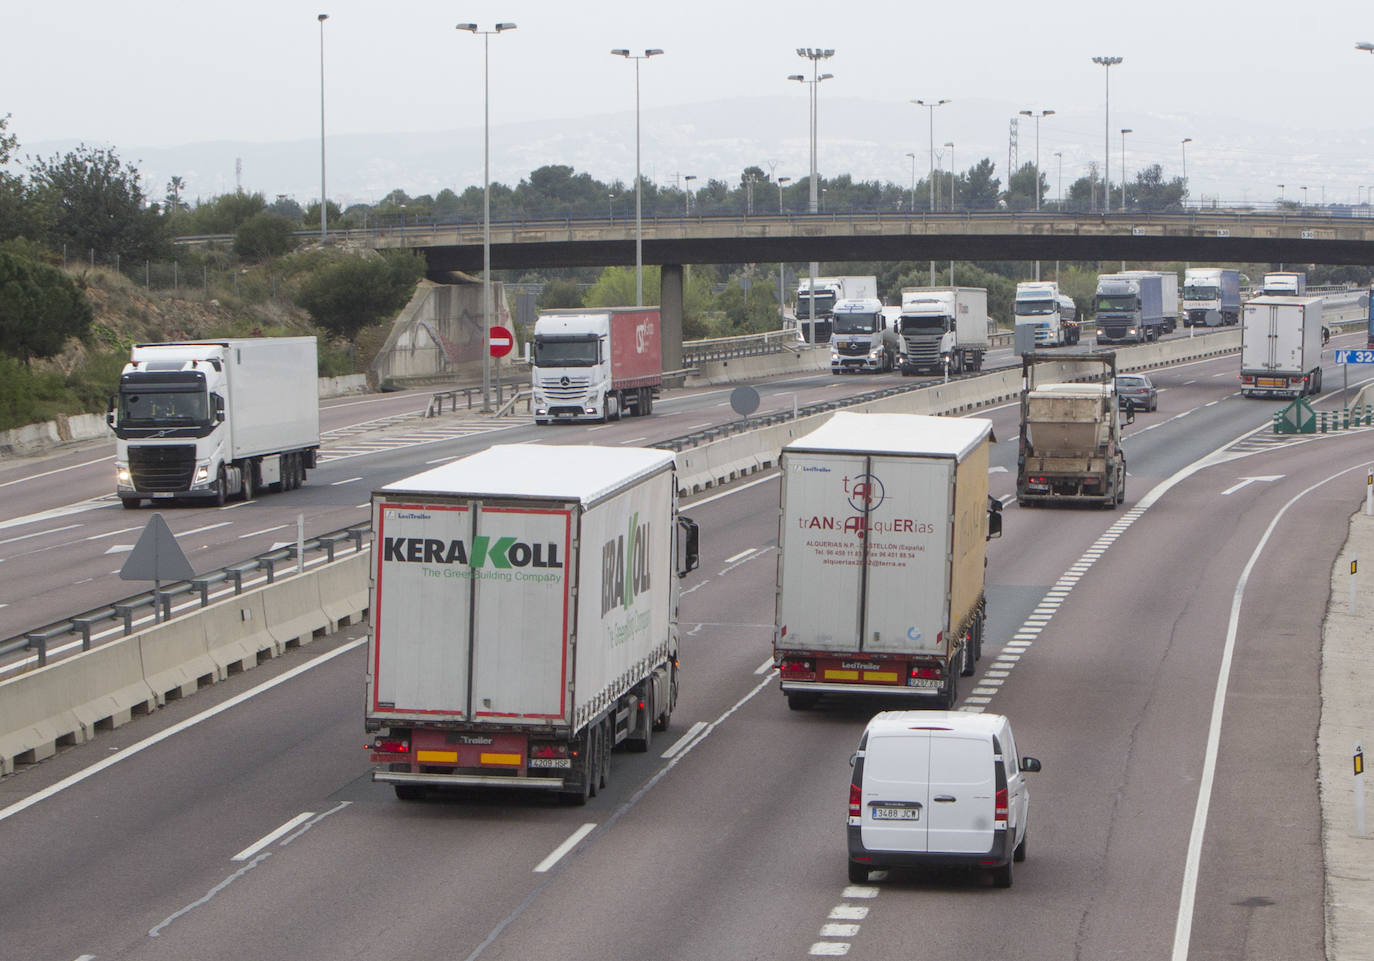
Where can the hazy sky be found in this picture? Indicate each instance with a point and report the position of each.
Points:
(158, 73)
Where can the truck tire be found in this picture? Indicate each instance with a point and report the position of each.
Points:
(648, 402)
(641, 745)
(967, 665)
(952, 693)
(130, 503)
(591, 768)
(409, 792)
(220, 488)
(246, 491)
(801, 700)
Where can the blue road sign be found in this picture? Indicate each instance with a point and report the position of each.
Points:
(1355, 356)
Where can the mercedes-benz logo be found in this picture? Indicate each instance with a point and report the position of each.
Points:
(563, 381)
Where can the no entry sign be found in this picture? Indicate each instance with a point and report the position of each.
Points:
(500, 341)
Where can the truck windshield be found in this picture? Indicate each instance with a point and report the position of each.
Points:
(854, 323)
(579, 351)
(1117, 302)
(825, 303)
(936, 324)
(1033, 308)
(1199, 292)
(139, 407)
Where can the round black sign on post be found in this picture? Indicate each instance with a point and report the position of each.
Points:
(744, 400)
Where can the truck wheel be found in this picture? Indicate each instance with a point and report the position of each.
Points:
(220, 488)
(607, 740)
(801, 700)
(409, 792)
(642, 744)
(247, 490)
(952, 693)
(591, 765)
(130, 503)
(967, 667)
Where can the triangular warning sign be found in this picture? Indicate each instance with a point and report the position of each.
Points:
(157, 556)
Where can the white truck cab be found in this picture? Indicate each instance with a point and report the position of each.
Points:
(861, 337)
(938, 788)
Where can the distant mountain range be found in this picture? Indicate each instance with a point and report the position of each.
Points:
(1228, 157)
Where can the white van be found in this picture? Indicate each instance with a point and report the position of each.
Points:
(938, 788)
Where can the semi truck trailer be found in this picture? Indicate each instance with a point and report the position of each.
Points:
(524, 617)
(596, 365)
(1211, 297)
(944, 327)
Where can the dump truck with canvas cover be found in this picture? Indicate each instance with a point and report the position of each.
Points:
(881, 545)
(1070, 443)
(524, 617)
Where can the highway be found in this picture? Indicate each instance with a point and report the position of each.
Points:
(1108, 632)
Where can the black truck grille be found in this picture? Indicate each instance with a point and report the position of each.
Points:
(162, 468)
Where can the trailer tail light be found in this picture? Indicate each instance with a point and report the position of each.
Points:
(797, 669)
(856, 804)
(999, 812)
(389, 745)
(548, 750)
(931, 673)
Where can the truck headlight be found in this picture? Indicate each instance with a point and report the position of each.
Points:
(122, 476)
(834, 355)
(202, 473)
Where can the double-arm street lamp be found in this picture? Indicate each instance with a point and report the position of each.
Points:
(323, 206)
(1037, 116)
(486, 203)
(815, 55)
(1107, 63)
(931, 105)
(1124, 131)
(639, 221)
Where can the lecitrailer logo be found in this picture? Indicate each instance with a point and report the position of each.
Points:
(625, 567)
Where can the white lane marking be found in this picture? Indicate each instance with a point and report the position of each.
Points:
(997, 470)
(699, 426)
(695, 587)
(634, 440)
(848, 912)
(728, 560)
(829, 949)
(765, 666)
(155, 739)
(346, 480)
(686, 739)
(1183, 928)
(207, 527)
(268, 838)
(24, 537)
(831, 930)
(119, 548)
(1247, 481)
(316, 820)
(265, 530)
(604, 426)
(439, 460)
(860, 891)
(734, 490)
(58, 470)
(236, 505)
(557, 854)
(156, 929)
(125, 530)
(86, 957)
(56, 512)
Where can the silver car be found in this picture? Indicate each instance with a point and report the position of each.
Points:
(1137, 389)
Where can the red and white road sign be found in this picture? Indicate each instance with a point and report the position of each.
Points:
(500, 341)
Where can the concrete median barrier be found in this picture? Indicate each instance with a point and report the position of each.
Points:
(293, 611)
(176, 658)
(344, 590)
(236, 633)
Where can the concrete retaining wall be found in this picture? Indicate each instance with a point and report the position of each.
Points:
(67, 702)
(805, 360)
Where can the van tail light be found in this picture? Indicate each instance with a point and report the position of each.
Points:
(856, 803)
(1000, 805)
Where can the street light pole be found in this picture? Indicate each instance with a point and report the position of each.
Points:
(931, 105)
(950, 145)
(782, 267)
(639, 221)
(913, 181)
(1037, 116)
(486, 203)
(781, 181)
(687, 195)
(1059, 155)
(323, 205)
(1183, 146)
(1124, 131)
(1107, 63)
(815, 55)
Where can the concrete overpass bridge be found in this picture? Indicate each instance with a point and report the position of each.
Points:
(1309, 236)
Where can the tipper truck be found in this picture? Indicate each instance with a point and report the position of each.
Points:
(944, 325)
(1052, 314)
(829, 291)
(1129, 308)
(1070, 443)
(1281, 347)
(596, 364)
(881, 547)
(210, 419)
(524, 617)
(1211, 297)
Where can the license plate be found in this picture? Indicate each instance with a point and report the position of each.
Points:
(560, 762)
(161, 496)
(924, 683)
(896, 814)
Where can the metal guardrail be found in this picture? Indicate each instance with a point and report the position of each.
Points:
(125, 610)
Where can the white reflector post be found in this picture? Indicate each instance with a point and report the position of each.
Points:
(1359, 790)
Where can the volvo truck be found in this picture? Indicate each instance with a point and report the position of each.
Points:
(1041, 306)
(207, 420)
(1211, 297)
(523, 622)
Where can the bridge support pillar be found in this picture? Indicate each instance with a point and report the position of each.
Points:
(670, 306)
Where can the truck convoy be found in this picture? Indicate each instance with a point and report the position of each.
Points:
(1129, 309)
(1041, 305)
(524, 617)
(1070, 443)
(944, 326)
(1281, 346)
(596, 365)
(881, 549)
(1168, 294)
(1285, 283)
(1211, 297)
(209, 419)
(860, 338)
(829, 292)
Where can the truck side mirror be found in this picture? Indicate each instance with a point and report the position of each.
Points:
(688, 552)
(994, 517)
(219, 408)
(1130, 410)
(110, 410)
